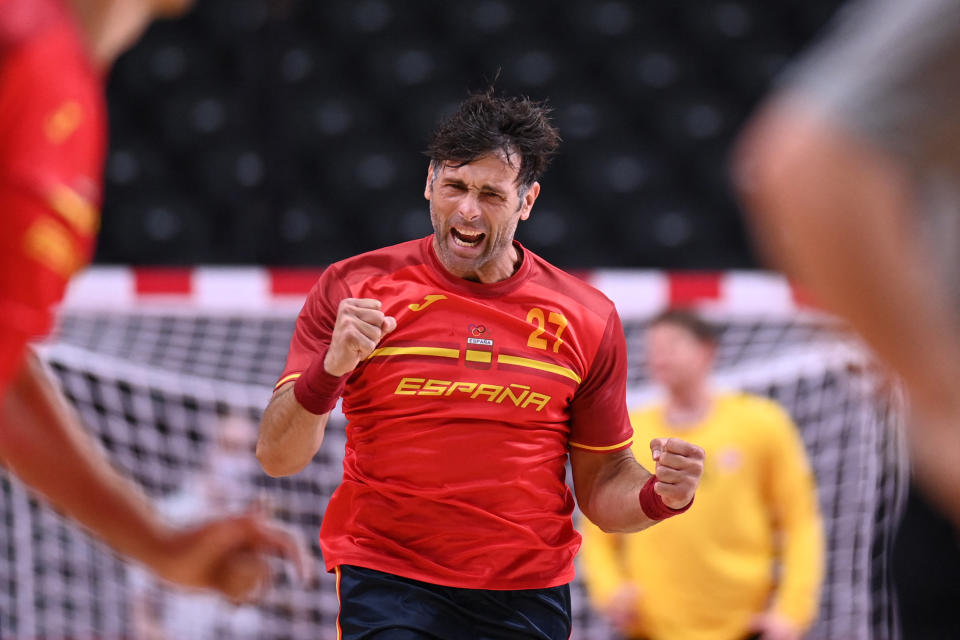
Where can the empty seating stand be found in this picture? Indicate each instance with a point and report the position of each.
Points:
(286, 132)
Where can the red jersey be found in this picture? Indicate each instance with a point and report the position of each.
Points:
(459, 422)
(52, 145)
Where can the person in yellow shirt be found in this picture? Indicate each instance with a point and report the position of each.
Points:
(746, 561)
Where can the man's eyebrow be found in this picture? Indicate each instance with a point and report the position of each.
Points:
(456, 182)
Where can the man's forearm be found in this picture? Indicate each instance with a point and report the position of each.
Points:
(43, 442)
(608, 488)
(616, 493)
(615, 506)
(289, 434)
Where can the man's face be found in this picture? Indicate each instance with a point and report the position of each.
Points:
(675, 357)
(475, 209)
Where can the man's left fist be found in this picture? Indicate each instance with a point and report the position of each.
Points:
(679, 466)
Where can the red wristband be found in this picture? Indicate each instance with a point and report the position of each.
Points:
(652, 504)
(316, 390)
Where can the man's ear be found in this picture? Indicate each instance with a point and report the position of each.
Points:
(428, 188)
(528, 199)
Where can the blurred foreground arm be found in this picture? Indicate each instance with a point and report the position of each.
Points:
(840, 217)
(44, 444)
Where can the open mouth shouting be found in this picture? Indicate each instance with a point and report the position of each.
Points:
(466, 238)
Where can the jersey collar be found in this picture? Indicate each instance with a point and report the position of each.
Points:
(470, 287)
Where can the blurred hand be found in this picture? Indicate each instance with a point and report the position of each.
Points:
(771, 626)
(359, 328)
(229, 555)
(679, 466)
(623, 611)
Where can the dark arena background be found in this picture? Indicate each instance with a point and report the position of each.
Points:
(288, 133)
(253, 142)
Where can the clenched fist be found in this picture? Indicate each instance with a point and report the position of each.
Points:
(359, 328)
(679, 466)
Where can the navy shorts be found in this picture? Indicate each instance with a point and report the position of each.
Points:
(381, 606)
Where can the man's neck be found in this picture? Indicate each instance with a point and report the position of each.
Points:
(490, 273)
(688, 405)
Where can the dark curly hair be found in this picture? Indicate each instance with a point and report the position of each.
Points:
(485, 123)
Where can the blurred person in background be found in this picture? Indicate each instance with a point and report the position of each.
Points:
(471, 370)
(851, 174)
(53, 57)
(747, 560)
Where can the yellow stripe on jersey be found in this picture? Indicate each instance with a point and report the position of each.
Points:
(440, 352)
(63, 122)
(285, 379)
(75, 209)
(478, 356)
(49, 243)
(608, 448)
(538, 364)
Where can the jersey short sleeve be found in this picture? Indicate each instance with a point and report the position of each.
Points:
(53, 133)
(315, 322)
(599, 420)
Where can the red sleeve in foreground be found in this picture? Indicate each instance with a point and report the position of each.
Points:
(314, 324)
(53, 132)
(599, 420)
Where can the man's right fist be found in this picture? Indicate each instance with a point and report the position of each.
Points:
(359, 328)
(679, 466)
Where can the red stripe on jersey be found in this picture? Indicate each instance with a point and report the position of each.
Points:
(163, 281)
(689, 288)
(293, 281)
